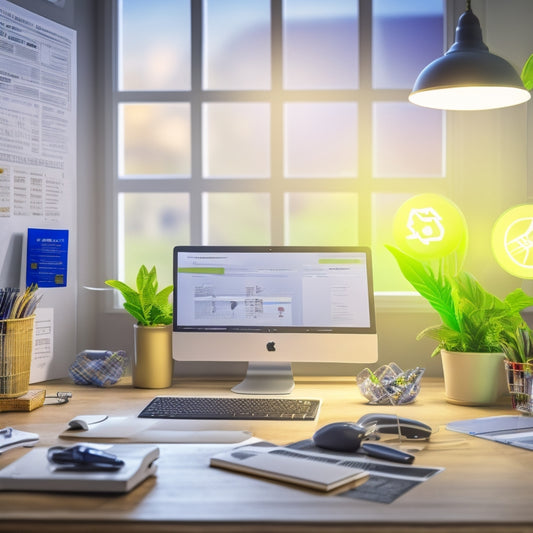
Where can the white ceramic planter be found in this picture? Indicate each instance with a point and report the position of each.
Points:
(473, 378)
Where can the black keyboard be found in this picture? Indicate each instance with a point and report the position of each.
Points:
(228, 408)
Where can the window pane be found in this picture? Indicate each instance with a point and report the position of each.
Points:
(155, 45)
(152, 224)
(408, 140)
(406, 36)
(236, 140)
(321, 139)
(327, 219)
(236, 218)
(236, 44)
(154, 139)
(321, 44)
(387, 275)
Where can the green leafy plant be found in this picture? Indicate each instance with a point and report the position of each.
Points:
(527, 73)
(473, 319)
(148, 306)
(518, 345)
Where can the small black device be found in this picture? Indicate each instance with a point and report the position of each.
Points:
(81, 457)
(348, 437)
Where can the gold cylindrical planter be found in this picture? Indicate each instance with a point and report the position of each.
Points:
(153, 364)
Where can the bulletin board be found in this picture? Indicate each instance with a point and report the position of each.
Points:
(38, 168)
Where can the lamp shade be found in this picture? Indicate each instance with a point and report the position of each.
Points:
(468, 76)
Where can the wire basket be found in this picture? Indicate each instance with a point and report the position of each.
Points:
(16, 343)
(520, 385)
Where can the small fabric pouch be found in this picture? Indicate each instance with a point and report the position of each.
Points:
(102, 368)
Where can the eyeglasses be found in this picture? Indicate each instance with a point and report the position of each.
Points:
(60, 398)
(83, 458)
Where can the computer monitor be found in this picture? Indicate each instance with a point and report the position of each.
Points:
(272, 306)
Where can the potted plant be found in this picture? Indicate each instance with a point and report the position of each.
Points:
(475, 325)
(153, 363)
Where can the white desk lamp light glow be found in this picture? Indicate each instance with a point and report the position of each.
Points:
(468, 76)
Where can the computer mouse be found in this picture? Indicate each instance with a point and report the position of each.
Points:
(84, 421)
(347, 437)
(340, 436)
(392, 424)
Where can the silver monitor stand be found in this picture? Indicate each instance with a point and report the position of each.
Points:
(266, 378)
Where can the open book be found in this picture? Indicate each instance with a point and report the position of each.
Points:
(33, 472)
(283, 464)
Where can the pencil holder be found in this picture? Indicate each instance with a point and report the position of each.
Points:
(16, 343)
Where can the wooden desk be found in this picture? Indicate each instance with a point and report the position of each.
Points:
(485, 486)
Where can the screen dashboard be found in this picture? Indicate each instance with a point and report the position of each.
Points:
(273, 289)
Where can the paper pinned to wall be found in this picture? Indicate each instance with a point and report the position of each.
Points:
(38, 159)
(43, 344)
(47, 257)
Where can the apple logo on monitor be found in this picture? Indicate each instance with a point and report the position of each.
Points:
(271, 346)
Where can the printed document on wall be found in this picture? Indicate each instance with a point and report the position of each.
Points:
(37, 115)
(43, 344)
(38, 90)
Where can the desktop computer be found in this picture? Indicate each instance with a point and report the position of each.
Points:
(271, 306)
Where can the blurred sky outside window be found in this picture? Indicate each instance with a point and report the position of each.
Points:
(155, 45)
(236, 53)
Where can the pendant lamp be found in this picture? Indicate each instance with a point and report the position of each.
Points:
(468, 76)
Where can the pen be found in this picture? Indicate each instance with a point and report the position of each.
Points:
(6, 432)
(81, 456)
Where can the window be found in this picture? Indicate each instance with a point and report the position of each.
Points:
(270, 122)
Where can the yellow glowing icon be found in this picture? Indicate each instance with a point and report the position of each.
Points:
(512, 241)
(429, 226)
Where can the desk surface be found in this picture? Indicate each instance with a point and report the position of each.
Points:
(485, 486)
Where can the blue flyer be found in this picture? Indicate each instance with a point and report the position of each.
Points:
(47, 257)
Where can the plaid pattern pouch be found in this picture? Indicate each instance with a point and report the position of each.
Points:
(102, 368)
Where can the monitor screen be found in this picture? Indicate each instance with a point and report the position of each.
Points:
(273, 304)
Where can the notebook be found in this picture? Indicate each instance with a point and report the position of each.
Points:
(282, 464)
